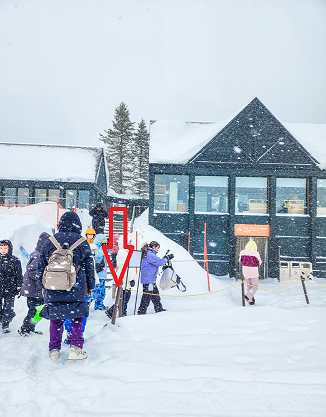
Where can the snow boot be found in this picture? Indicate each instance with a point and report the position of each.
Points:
(24, 334)
(5, 328)
(109, 312)
(67, 339)
(54, 354)
(159, 311)
(247, 304)
(36, 332)
(76, 353)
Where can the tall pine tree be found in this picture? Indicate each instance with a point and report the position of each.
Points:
(141, 152)
(120, 151)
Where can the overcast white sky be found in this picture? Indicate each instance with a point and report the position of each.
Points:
(66, 65)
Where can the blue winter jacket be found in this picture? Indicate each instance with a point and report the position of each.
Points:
(99, 255)
(68, 304)
(149, 266)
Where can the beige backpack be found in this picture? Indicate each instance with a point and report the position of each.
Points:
(60, 273)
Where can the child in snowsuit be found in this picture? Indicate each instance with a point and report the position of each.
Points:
(11, 279)
(30, 290)
(250, 260)
(148, 273)
(130, 275)
(101, 271)
(68, 304)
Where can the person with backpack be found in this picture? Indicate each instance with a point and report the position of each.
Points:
(250, 260)
(11, 279)
(148, 273)
(101, 271)
(99, 215)
(30, 289)
(66, 274)
(90, 236)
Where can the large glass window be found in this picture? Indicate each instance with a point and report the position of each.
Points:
(40, 195)
(291, 196)
(211, 194)
(53, 195)
(23, 194)
(83, 199)
(321, 197)
(71, 198)
(251, 195)
(10, 195)
(171, 193)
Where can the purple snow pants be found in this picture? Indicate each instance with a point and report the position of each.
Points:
(56, 330)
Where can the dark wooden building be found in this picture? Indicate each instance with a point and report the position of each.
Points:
(249, 177)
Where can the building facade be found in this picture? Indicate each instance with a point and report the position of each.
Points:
(246, 178)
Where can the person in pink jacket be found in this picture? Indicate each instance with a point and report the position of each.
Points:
(250, 260)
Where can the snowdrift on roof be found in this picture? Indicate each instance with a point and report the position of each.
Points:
(48, 163)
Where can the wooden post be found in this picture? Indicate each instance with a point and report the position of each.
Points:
(243, 293)
(121, 301)
(206, 259)
(57, 213)
(189, 241)
(136, 248)
(116, 305)
(304, 289)
(113, 288)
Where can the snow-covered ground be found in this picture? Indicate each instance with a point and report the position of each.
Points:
(205, 356)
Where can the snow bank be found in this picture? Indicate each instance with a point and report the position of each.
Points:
(23, 231)
(191, 273)
(47, 211)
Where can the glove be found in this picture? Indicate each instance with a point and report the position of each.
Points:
(169, 257)
(132, 283)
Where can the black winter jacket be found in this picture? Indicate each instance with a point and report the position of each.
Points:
(11, 276)
(99, 216)
(30, 287)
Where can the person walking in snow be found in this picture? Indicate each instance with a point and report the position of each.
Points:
(115, 249)
(90, 236)
(101, 271)
(148, 273)
(130, 275)
(99, 215)
(250, 260)
(68, 304)
(11, 279)
(31, 290)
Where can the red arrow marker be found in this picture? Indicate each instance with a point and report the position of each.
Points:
(105, 248)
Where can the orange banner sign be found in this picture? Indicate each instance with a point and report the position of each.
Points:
(251, 230)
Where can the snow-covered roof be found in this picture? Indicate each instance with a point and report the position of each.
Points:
(176, 142)
(49, 162)
(312, 137)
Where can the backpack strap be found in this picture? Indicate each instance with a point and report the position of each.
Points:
(77, 243)
(55, 242)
